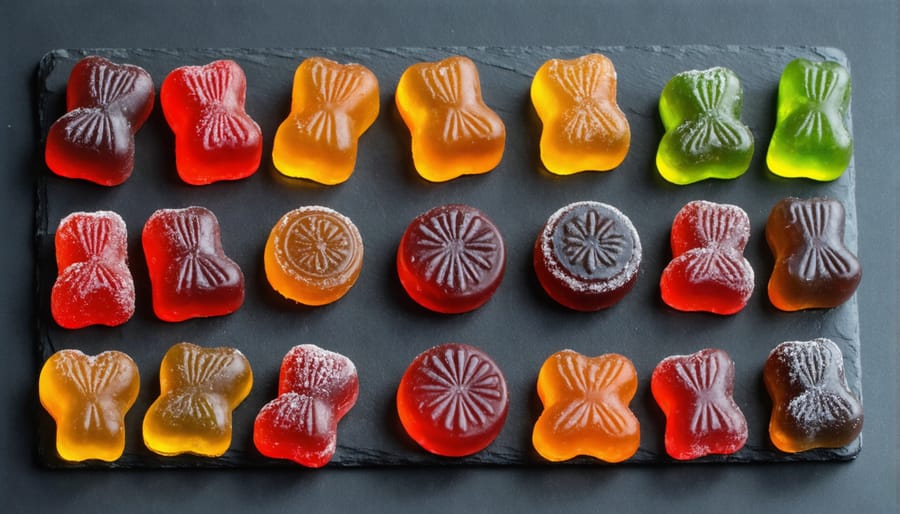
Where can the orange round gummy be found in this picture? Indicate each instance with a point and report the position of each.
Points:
(314, 255)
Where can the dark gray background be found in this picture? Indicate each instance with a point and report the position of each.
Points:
(866, 31)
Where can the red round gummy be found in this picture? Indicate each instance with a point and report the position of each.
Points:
(451, 259)
(453, 400)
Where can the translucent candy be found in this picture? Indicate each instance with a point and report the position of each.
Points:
(704, 137)
(94, 286)
(316, 389)
(583, 127)
(332, 106)
(453, 132)
(811, 139)
(88, 397)
(215, 139)
(586, 410)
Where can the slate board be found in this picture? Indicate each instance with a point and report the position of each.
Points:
(376, 324)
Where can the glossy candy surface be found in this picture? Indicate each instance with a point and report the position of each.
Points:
(215, 139)
(812, 406)
(695, 393)
(316, 388)
(453, 400)
(199, 389)
(88, 397)
(190, 274)
(107, 103)
(451, 259)
(313, 255)
(811, 138)
(94, 285)
(708, 271)
(587, 256)
(453, 132)
(332, 105)
(704, 137)
(583, 127)
(813, 268)
(586, 410)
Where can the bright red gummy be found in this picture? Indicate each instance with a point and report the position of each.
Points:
(453, 400)
(695, 393)
(215, 139)
(708, 271)
(190, 274)
(316, 389)
(107, 103)
(94, 286)
(451, 259)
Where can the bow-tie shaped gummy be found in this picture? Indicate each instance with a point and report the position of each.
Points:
(94, 286)
(215, 139)
(316, 388)
(199, 389)
(190, 274)
(88, 397)
(586, 407)
(695, 394)
(453, 132)
(812, 406)
(583, 127)
(810, 138)
(332, 106)
(708, 271)
(704, 137)
(107, 103)
(813, 268)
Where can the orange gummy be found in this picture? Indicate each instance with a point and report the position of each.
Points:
(453, 132)
(584, 129)
(314, 255)
(88, 396)
(332, 105)
(199, 388)
(586, 407)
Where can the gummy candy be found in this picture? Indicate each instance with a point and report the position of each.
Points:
(810, 138)
(107, 103)
(453, 400)
(215, 139)
(94, 286)
(708, 271)
(88, 397)
(586, 410)
(695, 393)
(332, 105)
(812, 406)
(453, 132)
(199, 388)
(587, 256)
(316, 388)
(451, 259)
(190, 274)
(813, 268)
(313, 255)
(704, 137)
(584, 129)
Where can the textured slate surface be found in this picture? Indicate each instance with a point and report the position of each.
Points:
(376, 325)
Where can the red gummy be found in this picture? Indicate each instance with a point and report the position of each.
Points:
(316, 388)
(708, 271)
(451, 259)
(215, 139)
(695, 393)
(94, 286)
(190, 274)
(453, 400)
(107, 103)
